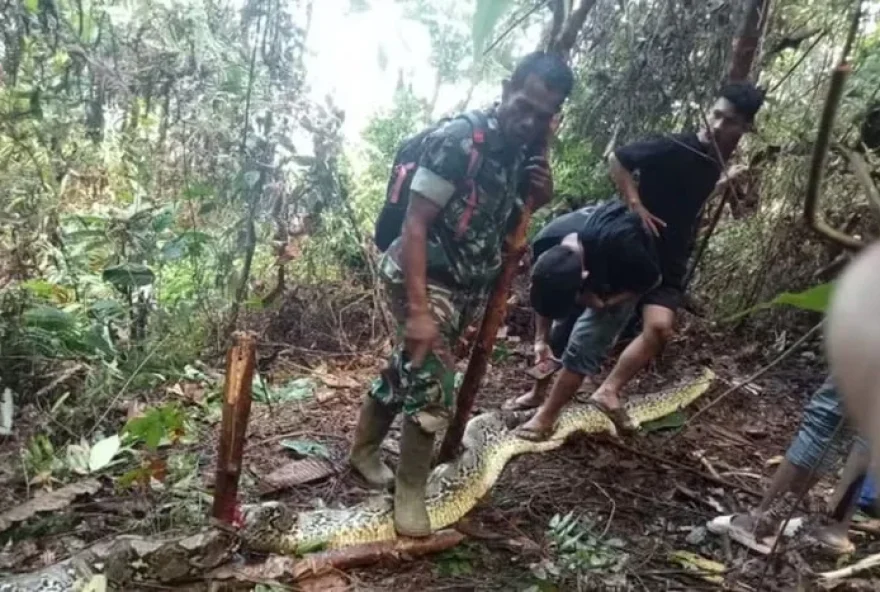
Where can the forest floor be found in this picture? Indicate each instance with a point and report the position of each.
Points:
(651, 494)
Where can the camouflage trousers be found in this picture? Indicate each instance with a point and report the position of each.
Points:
(425, 394)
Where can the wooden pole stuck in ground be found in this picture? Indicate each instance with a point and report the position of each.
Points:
(240, 362)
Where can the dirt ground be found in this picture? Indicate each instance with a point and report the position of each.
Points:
(653, 492)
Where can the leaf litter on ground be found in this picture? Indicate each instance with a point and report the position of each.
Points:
(298, 389)
(306, 448)
(50, 501)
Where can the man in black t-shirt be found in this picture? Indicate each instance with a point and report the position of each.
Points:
(665, 181)
(591, 265)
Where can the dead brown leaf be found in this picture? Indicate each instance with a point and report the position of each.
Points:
(337, 381)
(297, 472)
(330, 582)
(51, 501)
(274, 568)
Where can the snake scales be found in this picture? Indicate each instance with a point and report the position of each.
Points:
(453, 490)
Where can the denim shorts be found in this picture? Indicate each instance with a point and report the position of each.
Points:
(585, 337)
(821, 416)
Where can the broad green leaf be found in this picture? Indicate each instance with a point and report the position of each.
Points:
(295, 390)
(156, 424)
(673, 420)
(49, 319)
(306, 448)
(162, 220)
(103, 452)
(815, 299)
(98, 583)
(128, 275)
(46, 290)
(486, 17)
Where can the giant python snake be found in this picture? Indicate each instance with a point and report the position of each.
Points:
(453, 490)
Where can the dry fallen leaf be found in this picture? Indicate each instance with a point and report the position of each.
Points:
(48, 502)
(337, 381)
(276, 567)
(330, 582)
(297, 472)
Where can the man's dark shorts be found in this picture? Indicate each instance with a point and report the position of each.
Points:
(665, 295)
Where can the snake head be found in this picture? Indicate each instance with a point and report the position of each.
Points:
(267, 526)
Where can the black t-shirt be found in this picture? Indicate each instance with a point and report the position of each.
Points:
(676, 174)
(620, 255)
(558, 228)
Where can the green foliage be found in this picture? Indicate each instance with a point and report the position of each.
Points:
(306, 448)
(578, 553)
(156, 426)
(815, 299)
(457, 561)
(486, 17)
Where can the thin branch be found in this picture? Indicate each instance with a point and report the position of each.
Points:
(863, 175)
(514, 25)
(751, 378)
(823, 139)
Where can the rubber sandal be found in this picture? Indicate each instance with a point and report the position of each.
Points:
(533, 435)
(512, 405)
(747, 539)
(831, 545)
(721, 525)
(619, 417)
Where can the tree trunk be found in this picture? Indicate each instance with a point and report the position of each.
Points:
(745, 48)
(748, 37)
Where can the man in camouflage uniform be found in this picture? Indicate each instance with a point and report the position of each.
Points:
(438, 273)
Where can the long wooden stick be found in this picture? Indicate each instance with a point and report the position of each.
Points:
(496, 309)
(240, 362)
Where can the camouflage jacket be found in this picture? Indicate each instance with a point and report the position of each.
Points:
(467, 258)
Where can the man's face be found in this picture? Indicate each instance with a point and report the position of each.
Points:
(526, 112)
(725, 126)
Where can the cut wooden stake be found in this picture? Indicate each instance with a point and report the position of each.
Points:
(371, 553)
(496, 309)
(240, 361)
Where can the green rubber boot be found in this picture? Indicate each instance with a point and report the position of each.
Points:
(373, 424)
(416, 450)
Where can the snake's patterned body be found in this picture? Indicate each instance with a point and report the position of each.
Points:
(453, 490)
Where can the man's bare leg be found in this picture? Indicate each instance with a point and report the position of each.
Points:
(657, 328)
(788, 478)
(535, 397)
(564, 389)
(844, 500)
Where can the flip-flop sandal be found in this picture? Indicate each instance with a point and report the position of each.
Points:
(747, 539)
(834, 547)
(511, 404)
(533, 435)
(721, 525)
(619, 417)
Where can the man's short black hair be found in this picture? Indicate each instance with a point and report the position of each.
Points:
(549, 67)
(745, 97)
(556, 280)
